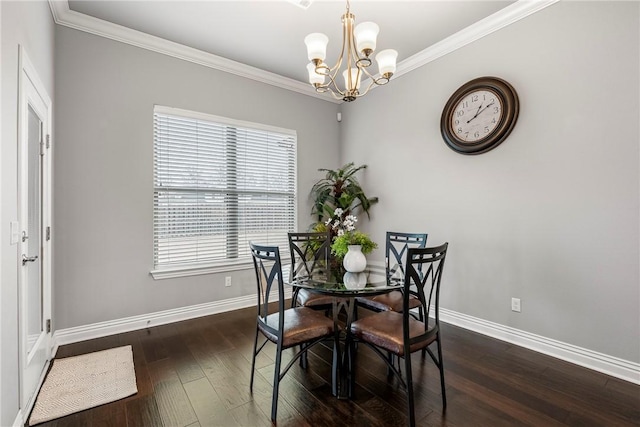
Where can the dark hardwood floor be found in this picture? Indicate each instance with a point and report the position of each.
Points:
(196, 373)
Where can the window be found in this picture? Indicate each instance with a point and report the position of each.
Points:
(219, 184)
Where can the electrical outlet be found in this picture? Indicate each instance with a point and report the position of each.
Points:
(227, 281)
(515, 305)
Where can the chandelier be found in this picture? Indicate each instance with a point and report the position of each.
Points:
(358, 44)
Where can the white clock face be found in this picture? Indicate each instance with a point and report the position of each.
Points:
(476, 115)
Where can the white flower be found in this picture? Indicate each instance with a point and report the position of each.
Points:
(338, 212)
(340, 232)
(327, 222)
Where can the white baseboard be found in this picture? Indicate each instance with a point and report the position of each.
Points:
(19, 422)
(112, 327)
(616, 367)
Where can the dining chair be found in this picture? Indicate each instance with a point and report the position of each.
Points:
(400, 333)
(309, 251)
(396, 247)
(285, 327)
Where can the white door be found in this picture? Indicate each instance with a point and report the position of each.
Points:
(34, 201)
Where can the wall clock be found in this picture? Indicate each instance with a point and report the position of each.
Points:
(479, 115)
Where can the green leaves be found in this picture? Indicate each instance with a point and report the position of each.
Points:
(340, 189)
(340, 244)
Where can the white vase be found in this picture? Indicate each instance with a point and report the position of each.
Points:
(354, 261)
(354, 280)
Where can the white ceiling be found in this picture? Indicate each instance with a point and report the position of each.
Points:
(269, 35)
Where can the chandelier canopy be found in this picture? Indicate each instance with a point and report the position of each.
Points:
(358, 44)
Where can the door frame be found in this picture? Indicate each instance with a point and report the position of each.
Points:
(27, 81)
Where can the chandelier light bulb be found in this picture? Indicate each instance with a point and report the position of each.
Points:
(366, 34)
(387, 61)
(316, 46)
(314, 78)
(355, 78)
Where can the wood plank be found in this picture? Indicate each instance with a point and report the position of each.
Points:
(143, 412)
(173, 404)
(196, 373)
(207, 404)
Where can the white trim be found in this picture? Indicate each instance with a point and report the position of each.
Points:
(72, 19)
(19, 421)
(184, 271)
(118, 326)
(504, 17)
(610, 365)
(189, 114)
(3, 202)
(32, 93)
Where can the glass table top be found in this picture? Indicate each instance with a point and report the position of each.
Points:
(372, 281)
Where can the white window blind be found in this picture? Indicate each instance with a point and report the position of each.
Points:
(219, 183)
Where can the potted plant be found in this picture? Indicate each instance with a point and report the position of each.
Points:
(336, 198)
(352, 246)
(340, 189)
(340, 245)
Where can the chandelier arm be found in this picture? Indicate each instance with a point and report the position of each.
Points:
(356, 64)
(381, 80)
(336, 88)
(352, 54)
(366, 90)
(339, 97)
(324, 70)
(367, 73)
(338, 64)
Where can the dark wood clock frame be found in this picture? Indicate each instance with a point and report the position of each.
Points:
(508, 117)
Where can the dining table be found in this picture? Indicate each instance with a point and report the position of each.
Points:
(344, 287)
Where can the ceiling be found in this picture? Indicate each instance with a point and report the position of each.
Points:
(268, 35)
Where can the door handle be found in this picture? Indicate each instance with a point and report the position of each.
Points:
(26, 259)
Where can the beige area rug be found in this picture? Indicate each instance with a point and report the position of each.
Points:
(81, 382)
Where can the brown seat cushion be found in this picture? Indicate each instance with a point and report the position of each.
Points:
(301, 324)
(391, 301)
(307, 298)
(385, 330)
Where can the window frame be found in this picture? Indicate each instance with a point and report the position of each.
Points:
(226, 265)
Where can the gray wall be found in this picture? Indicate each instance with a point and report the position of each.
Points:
(103, 236)
(550, 216)
(29, 24)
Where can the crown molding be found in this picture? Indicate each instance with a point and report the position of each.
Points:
(492, 23)
(62, 15)
(502, 18)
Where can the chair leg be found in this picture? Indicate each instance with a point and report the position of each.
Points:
(441, 367)
(303, 357)
(253, 359)
(276, 382)
(391, 359)
(351, 369)
(409, 382)
(422, 319)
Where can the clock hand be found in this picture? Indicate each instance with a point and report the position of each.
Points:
(477, 112)
(489, 105)
(492, 102)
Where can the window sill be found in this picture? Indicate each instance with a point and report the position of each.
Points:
(185, 271)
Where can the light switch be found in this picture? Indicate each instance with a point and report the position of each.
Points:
(15, 232)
